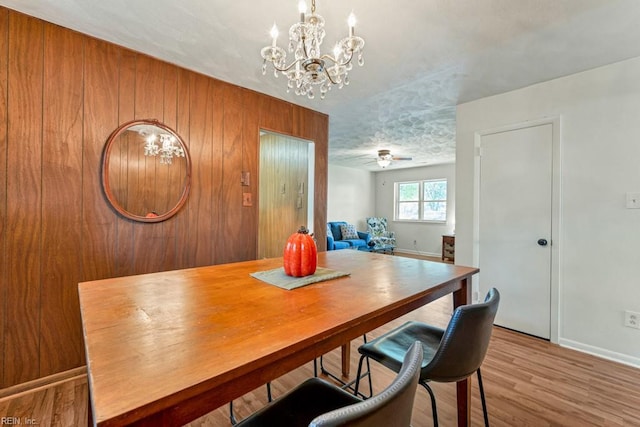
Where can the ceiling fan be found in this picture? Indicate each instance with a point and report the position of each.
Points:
(385, 157)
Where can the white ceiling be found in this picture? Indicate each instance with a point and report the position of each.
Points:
(422, 57)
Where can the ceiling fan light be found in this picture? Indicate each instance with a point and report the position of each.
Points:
(383, 163)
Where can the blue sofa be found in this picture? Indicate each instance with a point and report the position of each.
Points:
(335, 240)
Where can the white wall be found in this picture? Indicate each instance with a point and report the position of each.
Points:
(427, 235)
(351, 196)
(600, 162)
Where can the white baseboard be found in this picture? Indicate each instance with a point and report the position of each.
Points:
(600, 352)
(414, 252)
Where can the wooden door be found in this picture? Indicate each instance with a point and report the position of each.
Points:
(284, 191)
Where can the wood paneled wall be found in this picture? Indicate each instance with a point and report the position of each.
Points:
(61, 95)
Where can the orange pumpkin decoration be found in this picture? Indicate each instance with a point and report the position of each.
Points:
(300, 254)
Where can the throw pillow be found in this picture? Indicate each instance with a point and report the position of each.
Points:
(348, 232)
(329, 233)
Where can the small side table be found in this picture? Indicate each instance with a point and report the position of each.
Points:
(449, 247)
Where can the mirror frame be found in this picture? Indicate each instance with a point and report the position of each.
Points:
(113, 138)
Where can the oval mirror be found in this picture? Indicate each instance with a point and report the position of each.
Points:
(146, 171)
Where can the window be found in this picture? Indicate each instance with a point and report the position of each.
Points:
(421, 200)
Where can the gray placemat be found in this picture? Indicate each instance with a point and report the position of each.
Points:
(277, 277)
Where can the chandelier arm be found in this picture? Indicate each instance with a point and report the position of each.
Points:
(287, 68)
(341, 64)
(290, 66)
(326, 71)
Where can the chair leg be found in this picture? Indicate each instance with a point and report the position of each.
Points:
(484, 403)
(359, 375)
(434, 410)
(345, 384)
(324, 371)
(232, 416)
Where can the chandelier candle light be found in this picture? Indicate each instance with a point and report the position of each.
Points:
(167, 150)
(311, 68)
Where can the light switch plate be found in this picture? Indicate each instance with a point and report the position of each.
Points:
(633, 200)
(245, 178)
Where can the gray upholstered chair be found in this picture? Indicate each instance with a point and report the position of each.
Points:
(450, 355)
(318, 403)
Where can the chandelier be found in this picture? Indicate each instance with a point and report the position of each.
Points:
(167, 148)
(310, 68)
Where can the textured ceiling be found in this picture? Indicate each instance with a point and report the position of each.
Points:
(421, 57)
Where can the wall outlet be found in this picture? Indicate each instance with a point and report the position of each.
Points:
(633, 200)
(632, 319)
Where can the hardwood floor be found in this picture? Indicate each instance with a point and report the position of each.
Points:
(62, 403)
(528, 382)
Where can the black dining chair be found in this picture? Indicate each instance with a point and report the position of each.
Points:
(450, 355)
(318, 403)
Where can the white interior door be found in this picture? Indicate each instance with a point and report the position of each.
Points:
(516, 173)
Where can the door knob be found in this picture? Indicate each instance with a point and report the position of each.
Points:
(542, 242)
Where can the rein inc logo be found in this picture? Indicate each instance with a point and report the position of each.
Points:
(17, 421)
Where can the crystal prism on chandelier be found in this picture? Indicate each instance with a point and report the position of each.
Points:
(310, 69)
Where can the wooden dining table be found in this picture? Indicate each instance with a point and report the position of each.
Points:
(166, 348)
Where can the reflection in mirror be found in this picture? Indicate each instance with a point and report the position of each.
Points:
(286, 190)
(146, 171)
